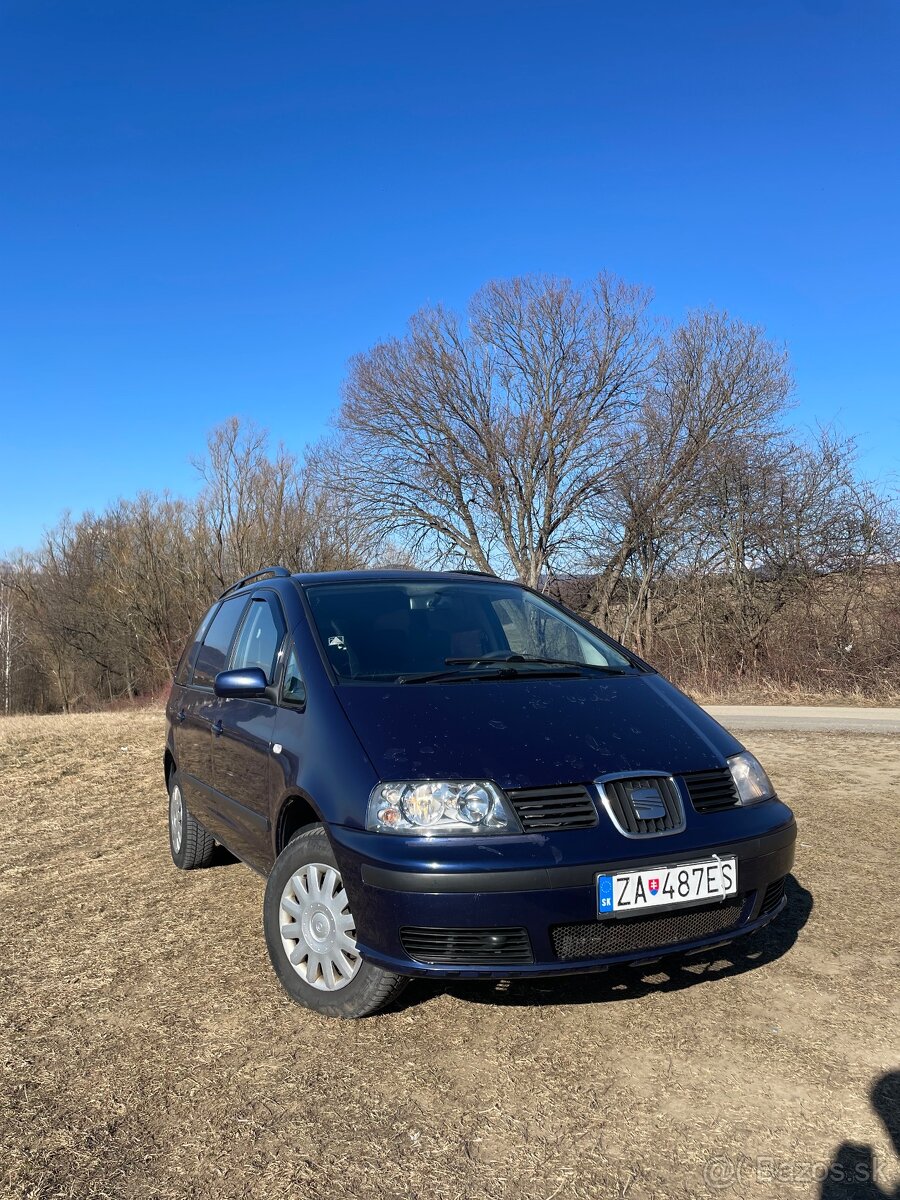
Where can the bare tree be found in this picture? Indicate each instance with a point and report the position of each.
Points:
(718, 383)
(647, 474)
(485, 441)
(783, 519)
(108, 601)
(10, 637)
(256, 509)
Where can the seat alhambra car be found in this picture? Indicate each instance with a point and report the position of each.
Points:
(451, 776)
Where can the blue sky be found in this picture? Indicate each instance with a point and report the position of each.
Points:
(206, 208)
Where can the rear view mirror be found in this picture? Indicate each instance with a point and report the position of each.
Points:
(246, 683)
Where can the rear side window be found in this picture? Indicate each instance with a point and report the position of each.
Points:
(260, 639)
(183, 674)
(213, 655)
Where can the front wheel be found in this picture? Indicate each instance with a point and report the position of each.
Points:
(311, 934)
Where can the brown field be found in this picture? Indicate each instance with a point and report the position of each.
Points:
(774, 693)
(148, 1051)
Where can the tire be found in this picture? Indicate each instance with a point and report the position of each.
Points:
(189, 842)
(305, 892)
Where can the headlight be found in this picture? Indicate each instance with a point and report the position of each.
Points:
(751, 781)
(439, 808)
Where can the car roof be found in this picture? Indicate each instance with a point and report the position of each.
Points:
(306, 579)
(377, 574)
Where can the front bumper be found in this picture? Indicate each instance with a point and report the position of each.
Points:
(544, 885)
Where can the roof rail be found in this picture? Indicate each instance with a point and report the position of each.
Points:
(472, 571)
(278, 572)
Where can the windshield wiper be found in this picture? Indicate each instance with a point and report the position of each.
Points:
(490, 659)
(502, 670)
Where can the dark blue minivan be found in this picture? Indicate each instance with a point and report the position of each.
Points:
(448, 775)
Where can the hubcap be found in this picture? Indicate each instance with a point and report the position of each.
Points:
(317, 928)
(176, 817)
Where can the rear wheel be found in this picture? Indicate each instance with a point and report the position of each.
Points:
(191, 845)
(311, 934)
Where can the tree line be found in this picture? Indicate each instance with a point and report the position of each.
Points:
(645, 473)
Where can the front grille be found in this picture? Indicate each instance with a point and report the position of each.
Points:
(772, 898)
(467, 947)
(554, 807)
(619, 793)
(711, 791)
(605, 939)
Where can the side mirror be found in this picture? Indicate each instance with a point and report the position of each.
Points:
(243, 684)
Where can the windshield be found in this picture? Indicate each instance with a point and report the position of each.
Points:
(388, 631)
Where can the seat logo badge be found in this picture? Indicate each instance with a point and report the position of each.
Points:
(647, 804)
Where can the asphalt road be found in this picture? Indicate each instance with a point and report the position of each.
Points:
(797, 717)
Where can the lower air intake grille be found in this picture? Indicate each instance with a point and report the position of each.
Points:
(553, 807)
(605, 939)
(711, 791)
(467, 947)
(772, 898)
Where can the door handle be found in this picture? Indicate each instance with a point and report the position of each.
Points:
(217, 728)
(180, 716)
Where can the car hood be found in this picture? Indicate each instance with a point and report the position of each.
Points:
(534, 732)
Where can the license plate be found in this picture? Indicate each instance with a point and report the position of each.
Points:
(666, 887)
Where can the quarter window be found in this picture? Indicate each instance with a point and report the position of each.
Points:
(294, 689)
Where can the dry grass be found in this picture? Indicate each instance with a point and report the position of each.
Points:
(148, 1051)
(769, 691)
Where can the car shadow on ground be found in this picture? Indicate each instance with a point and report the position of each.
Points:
(671, 974)
(222, 857)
